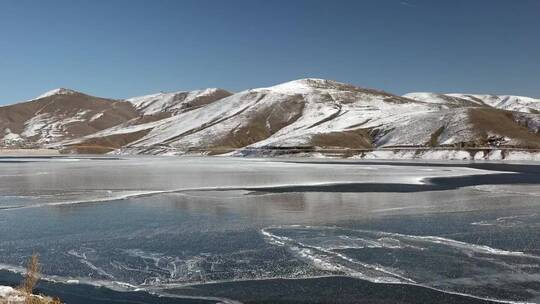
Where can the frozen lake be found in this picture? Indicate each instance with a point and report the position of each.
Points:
(205, 230)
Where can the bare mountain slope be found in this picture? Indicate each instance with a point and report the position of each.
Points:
(58, 115)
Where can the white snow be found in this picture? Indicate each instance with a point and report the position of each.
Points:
(11, 138)
(426, 97)
(96, 116)
(51, 127)
(504, 102)
(451, 154)
(11, 295)
(59, 91)
(35, 124)
(523, 155)
(300, 86)
(5, 291)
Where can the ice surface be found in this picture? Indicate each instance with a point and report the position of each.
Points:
(162, 222)
(382, 257)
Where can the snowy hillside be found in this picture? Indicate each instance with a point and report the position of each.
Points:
(153, 110)
(176, 102)
(305, 115)
(504, 102)
(328, 114)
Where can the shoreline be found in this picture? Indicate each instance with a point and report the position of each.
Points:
(28, 152)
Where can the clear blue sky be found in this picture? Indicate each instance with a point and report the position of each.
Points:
(122, 48)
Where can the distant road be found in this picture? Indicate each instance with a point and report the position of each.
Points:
(24, 152)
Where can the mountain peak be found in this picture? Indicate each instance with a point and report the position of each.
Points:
(313, 81)
(58, 91)
(308, 84)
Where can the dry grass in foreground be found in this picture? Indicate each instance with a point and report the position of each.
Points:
(24, 293)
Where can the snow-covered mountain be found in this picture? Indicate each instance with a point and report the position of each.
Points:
(504, 102)
(323, 113)
(305, 114)
(153, 110)
(299, 113)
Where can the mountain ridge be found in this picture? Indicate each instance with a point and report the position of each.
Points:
(505, 102)
(311, 114)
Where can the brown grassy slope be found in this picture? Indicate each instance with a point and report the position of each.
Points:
(357, 139)
(487, 121)
(263, 124)
(100, 145)
(204, 100)
(66, 106)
